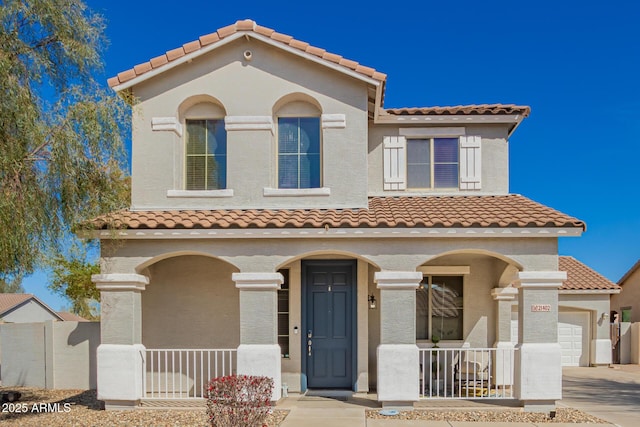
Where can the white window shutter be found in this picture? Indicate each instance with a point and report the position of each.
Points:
(395, 163)
(470, 163)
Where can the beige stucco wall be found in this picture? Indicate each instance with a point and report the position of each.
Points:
(629, 296)
(494, 148)
(254, 88)
(596, 304)
(190, 302)
(31, 311)
(267, 255)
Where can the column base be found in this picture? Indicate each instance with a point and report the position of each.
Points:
(121, 405)
(601, 352)
(538, 373)
(398, 374)
(120, 374)
(262, 360)
(541, 406)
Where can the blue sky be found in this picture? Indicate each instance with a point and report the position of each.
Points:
(576, 63)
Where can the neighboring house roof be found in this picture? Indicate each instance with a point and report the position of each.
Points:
(245, 26)
(383, 212)
(582, 278)
(483, 109)
(629, 273)
(70, 317)
(10, 301)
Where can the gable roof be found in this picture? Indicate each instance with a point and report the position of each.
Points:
(629, 273)
(508, 211)
(10, 301)
(245, 27)
(582, 278)
(250, 28)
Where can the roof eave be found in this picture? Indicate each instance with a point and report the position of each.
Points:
(349, 233)
(514, 119)
(239, 34)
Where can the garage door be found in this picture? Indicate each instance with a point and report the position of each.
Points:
(573, 336)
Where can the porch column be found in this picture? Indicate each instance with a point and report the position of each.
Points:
(503, 366)
(259, 352)
(398, 358)
(538, 358)
(120, 355)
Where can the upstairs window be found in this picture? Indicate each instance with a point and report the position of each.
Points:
(439, 308)
(432, 163)
(206, 162)
(299, 152)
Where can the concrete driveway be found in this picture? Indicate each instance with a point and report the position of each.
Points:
(612, 394)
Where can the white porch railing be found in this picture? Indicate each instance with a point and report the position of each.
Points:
(467, 373)
(184, 373)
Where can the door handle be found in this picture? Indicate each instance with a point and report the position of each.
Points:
(309, 334)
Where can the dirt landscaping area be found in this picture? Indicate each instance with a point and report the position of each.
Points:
(67, 408)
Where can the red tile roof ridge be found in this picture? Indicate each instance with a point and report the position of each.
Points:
(248, 26)
(476, 109)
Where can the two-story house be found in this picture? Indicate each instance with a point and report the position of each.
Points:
(284, 223)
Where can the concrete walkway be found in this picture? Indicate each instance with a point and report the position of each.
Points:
(337, 411)
(612, 394)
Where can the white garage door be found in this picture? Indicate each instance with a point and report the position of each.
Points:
(573, 336)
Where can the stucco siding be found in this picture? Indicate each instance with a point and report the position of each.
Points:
(190, 302)
(254, 88)
(495, 158)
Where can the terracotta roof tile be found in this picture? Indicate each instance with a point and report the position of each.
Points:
(480, 109)
(8, 301)
(142, 68)
(248, 26)
(383, 212)
(581, 278)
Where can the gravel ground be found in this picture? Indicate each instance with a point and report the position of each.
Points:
(84, 409)
(563, 415)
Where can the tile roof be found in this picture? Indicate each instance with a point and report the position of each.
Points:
(383, 212)
(482, 109)
(247, 26)
(581, 278)
(8, 301)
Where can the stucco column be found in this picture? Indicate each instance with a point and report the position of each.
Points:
(120, 355)
(538, 357)
(398, 359)
(259, 352)
(504, 363)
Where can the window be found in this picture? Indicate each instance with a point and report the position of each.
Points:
(283, 315)
(299, 152)
(626, 314)
(206, 163)
(432, 163)
(439, 308)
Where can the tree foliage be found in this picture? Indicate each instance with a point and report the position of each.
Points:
(71, 277)
(62, 157)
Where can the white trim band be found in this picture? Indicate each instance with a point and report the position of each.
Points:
(257, 281)
(398, 280)
(539, 279)
(504, 294)
(234, 123)
(120, 282)
(160, 124)
(200, 194)
(296, 192)
(334, 121)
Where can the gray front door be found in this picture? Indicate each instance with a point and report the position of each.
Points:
(328, 299)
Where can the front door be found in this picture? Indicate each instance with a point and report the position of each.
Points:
(328, 299)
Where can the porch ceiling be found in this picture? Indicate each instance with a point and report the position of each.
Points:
(508, 211)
